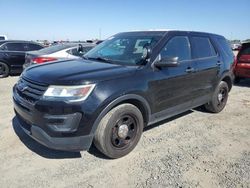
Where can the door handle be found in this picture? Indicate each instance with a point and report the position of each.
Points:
(190, 70)
(218, 63)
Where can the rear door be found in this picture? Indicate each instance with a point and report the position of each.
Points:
(206, 63)
(15, 55)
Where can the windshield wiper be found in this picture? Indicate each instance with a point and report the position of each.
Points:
(103, 59)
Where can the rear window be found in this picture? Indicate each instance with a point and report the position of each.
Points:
(32, 47)
(55, 48)
(2, 38)
(202, 47)
(226, 48)
(245, 51)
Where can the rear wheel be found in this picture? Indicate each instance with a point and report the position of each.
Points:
(119, 131)
(219, 98)
(4, 70)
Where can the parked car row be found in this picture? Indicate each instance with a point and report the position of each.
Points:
(129, 81)
(12, 55)
(16, 55)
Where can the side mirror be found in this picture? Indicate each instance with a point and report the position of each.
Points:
(167, 62)
(80, 48)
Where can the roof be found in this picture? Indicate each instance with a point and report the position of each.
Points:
(164, 31)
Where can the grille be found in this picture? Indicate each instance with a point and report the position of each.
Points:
(29, 90)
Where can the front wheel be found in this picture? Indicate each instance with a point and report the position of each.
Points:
(219, 98)
(119, 131)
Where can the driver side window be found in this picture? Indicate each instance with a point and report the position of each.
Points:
(177, 47)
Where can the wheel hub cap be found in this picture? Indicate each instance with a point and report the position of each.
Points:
(123, 131)
(220, 96)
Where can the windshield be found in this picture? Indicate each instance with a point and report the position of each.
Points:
(123, 49)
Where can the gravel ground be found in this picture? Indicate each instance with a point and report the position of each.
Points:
(194, 149)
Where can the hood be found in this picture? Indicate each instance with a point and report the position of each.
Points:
(74, 72)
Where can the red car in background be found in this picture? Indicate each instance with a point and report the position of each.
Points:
(242, 63)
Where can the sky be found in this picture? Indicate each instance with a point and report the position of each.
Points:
(90, 19)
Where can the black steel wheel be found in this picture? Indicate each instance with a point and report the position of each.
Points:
(119, 131)
(219, 99)
(124, 131)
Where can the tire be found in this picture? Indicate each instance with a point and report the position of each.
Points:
(237, 80)
(4, 70)
(219, 99)
(111, 138)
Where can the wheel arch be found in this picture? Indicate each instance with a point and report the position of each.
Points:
(137, 100)
(228, 79)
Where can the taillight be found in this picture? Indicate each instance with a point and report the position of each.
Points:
(43, 59)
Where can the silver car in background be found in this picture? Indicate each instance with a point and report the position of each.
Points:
(57, 52)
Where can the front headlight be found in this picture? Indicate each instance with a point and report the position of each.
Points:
(72, 93)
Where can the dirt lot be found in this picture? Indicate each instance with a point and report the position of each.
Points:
(195, 149)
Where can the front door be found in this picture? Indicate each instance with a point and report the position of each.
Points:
(172, 86)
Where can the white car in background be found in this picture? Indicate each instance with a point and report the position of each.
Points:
(57, 52)
(235, 46)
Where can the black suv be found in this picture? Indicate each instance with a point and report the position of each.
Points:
(12, 55)
(129, 81)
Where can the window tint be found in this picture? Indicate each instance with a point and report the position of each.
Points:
(15, 47)
(202, 47)
(32, 47)
(177, 47)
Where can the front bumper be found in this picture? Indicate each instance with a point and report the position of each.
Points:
(55, 129)
(59, 143)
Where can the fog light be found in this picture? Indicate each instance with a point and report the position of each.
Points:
(63, 123)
